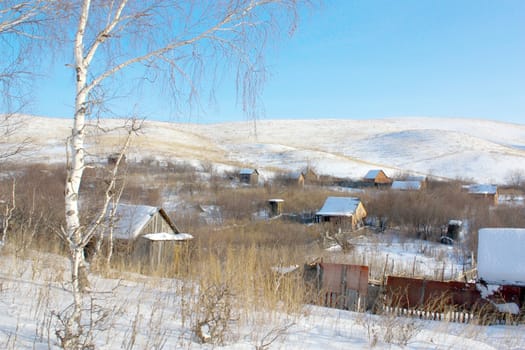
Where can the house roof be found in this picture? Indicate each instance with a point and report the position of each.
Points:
(130, 219)
(372, 174)
(339, 206)
(247, 171)
(482, 189)
(406, 185)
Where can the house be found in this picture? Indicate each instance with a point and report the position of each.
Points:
(401, 185)
(249, 176)
(309, 175)
(485, 192)
(377, 177)
(342, 211)
(276, 206)
(143, 233)
(294, 179)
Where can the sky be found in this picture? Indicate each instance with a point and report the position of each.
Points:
(368, 59)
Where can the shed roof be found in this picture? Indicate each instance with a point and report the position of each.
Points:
(482, 189)
(247, 171)
(372, 174)
(406, 185)
(339, 206)
(130, 219)
(165, 236)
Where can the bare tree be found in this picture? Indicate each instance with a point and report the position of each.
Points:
(183, 40)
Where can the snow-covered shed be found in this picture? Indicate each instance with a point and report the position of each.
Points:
(342, 211)
(486, 192)
(249, 176)
(501, 258)
(377, 177)
(142, 231)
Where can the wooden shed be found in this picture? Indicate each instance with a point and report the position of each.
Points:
(143, 233)
(378, 178)
(485, 192)
(249, 176)
(276, 206)
(342, 211)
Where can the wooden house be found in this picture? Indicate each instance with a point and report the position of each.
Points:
(294, 179)
(342, 211)
(309, 175)
(249, 176)
(488, 193)
(276, 206)
(378, 178)
(142, 233)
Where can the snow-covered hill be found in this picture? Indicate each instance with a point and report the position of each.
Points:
(481, 150)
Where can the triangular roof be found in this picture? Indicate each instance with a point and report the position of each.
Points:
(339, 206)
(130, 219)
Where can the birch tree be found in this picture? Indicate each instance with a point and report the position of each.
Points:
(181, 44)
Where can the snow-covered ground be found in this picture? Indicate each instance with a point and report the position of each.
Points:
(148, 313)
(480, 150)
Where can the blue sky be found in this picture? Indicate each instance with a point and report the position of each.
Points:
(370, 59)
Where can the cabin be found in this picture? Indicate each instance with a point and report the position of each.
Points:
(488, 193)
(309, 175)
(377, 178)
(142, 233)
(276, 206)
(249, 176)
(293, 179)
(345, 212)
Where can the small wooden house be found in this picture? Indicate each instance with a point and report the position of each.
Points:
(294, 179)
(378, 178)
(276, 206)
(342, 211)
(142, 233)
(309, 175)
(249, 176)
(488, 193)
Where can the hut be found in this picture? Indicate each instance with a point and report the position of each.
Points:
(342, 211)
(144, 233)
(249, 176)
(377, 178)
(276, 206)
(406, 185)
(488, 193)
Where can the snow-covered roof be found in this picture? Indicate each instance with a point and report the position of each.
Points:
(372, 174)
(406, 185)
(501, 258)
(165, 236)
(247, 171)
(130, 219)
(339, 206)
(482, 189)
(275, 200)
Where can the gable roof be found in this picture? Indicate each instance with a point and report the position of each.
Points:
(406, 185)
(372, 174)
(130, 219)
(482, 189)
(339, 206)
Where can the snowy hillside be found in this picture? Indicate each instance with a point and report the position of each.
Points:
(481, 150)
